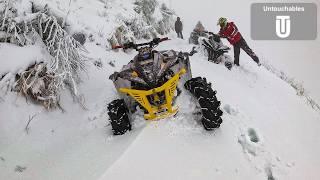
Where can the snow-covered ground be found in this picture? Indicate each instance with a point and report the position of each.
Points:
(268, 131)
(77, 145)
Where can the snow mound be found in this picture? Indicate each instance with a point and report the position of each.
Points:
(15, 58)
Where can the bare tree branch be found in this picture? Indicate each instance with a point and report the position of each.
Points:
(29, 121)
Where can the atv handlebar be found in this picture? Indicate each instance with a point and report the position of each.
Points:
(152, 43)
(208, 32)
(216, 37)
(211, 33)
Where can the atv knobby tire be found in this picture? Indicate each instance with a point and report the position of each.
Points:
(118, 114)
(209, 104)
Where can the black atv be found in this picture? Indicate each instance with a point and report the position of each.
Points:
(215, 49)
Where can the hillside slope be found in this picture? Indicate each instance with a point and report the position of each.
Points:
(77, 145)
(268, 132)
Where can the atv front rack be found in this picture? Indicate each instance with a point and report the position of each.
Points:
(162, 111)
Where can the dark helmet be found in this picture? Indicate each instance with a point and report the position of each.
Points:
(178, 18)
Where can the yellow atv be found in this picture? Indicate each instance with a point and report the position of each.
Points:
(152, 81)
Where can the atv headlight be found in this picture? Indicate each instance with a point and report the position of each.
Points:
(146, 56)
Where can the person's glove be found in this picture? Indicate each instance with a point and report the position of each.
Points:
(156, 40)
(216, 37)
(128, 45)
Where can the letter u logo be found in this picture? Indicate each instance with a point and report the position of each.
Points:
(283, 26)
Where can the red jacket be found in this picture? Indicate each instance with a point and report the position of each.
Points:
(231, 33)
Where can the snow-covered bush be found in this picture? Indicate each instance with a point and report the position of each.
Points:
(38, 84)
(159, 17)
(122, 35)
(147, 8)
(29, 22)
(66, 63)
(150, 20)
(140, 29)
(166, 24)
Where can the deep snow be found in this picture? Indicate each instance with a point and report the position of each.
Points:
(268, 131)
(15, 58)
(78, 145)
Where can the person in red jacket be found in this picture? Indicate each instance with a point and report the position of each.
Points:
(230, 31)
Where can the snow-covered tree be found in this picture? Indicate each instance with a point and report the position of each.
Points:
(150, 20)
(147, 7)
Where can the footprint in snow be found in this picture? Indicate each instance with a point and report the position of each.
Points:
(112, 63)
(20, 169)
(250, 142)
(253, 135)
(230, 110)
(269, 173)
(252, 145)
